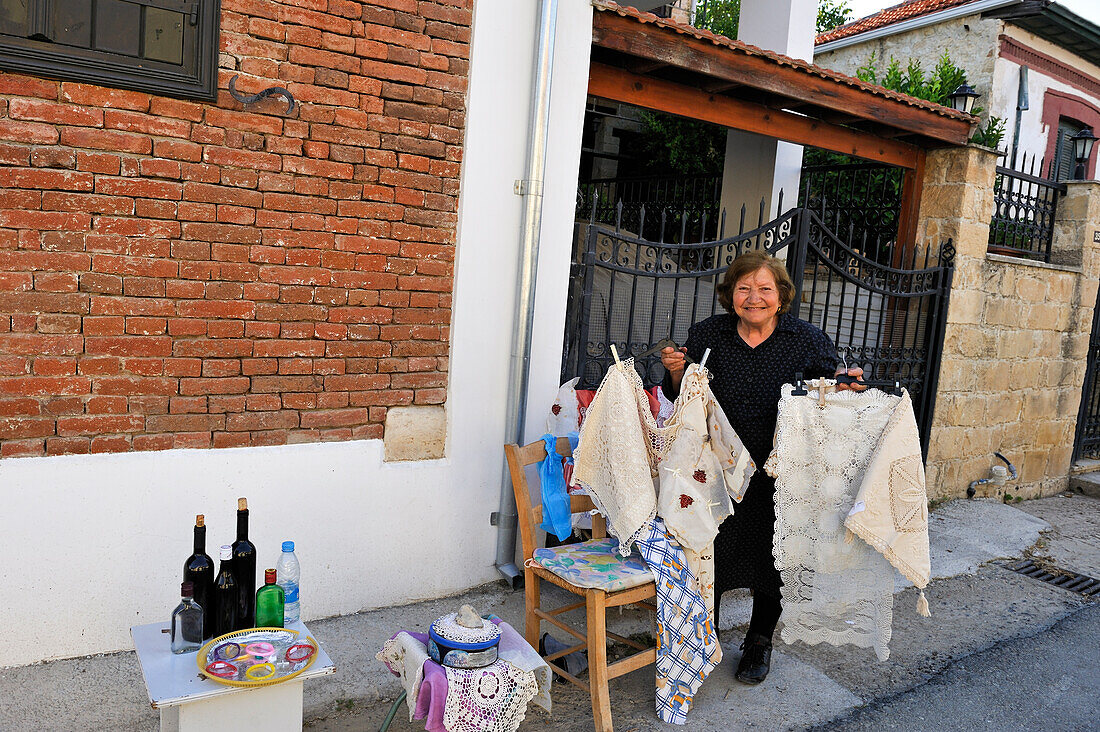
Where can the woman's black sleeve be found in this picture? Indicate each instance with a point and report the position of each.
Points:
(823, 358)
(695, 351)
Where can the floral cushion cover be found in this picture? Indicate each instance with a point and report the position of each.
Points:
(595, 564)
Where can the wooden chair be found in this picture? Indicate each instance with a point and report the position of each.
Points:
(634, 588)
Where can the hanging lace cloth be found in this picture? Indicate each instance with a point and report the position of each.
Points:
(620, 446)
(859, 455)
(687, 641)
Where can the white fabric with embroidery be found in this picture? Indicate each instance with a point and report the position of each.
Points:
(891, 508)
(835, 590)
(705, 467)
(489, 699)
(620, 446)
(405, 656)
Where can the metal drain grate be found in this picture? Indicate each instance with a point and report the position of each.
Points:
(1079, 583)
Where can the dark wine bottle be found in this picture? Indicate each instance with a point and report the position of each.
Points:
(199, 571)
(225, 595)
(244, 569)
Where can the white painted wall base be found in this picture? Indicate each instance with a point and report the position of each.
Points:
(95, 544)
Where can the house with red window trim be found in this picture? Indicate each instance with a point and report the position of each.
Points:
(1036, 65)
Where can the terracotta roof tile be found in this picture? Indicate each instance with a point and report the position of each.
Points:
(888, 16)
(609, 6)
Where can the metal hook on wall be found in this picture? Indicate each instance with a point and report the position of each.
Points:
(271, 91)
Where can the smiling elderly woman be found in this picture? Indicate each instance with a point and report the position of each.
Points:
(756, 347)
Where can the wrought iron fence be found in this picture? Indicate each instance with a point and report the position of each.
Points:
(1025, 206)
(638, 205)
(887, 320)
(633, 292)
(1086, 443)
(860, 201)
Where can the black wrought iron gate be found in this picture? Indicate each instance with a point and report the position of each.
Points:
(634, 292)
(1086, 443)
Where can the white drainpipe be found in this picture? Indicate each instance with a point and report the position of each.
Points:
(531, 188)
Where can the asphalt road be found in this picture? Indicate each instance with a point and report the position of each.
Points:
(1049, 681)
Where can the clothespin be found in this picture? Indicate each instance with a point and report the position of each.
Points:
(821, 386)
(799, 388)
(703, 362)
(615, 353)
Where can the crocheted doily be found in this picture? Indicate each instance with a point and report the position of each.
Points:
(489, 699)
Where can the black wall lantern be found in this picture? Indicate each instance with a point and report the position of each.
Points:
(962, 99)
(1082, 150)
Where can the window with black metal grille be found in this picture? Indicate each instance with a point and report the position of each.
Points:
(161, 46)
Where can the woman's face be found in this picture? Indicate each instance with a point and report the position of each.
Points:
(756, 298)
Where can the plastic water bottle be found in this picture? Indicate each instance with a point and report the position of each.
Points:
(288, 573)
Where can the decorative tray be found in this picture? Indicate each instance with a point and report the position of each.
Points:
(256, 657)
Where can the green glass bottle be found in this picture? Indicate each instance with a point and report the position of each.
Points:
(269, 602)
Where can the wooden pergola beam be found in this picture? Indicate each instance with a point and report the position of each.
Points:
(620, 85)
(624, 34)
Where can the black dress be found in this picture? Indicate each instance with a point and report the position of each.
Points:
(746, 382)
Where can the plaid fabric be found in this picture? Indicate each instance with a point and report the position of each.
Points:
(687, 641)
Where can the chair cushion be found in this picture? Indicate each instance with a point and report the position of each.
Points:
(595, 564)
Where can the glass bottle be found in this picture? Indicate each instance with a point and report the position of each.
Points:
(187, 622)
(244, 569)
(269, 602)
(225, 595)
(199, 570)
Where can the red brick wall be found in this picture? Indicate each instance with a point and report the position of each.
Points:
(177, 274)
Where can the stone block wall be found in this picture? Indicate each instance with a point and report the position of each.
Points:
(183, 274)
(1017, 334)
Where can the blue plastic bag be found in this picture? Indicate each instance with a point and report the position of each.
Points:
(556, 518)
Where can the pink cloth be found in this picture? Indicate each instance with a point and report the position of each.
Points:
(432, 699)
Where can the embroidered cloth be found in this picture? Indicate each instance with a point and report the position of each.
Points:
(891, 508)
(405, 657)
(826, 460)
(620, 446)
(706, 466)
(687, 642)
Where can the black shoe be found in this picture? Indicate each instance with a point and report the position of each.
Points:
(756, 659)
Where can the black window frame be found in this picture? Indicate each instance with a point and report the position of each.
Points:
(68, 63)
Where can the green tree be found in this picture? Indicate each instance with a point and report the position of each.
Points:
(934, 86)
(718, 16)
(672, 145)
(721, 16)
(832, 13)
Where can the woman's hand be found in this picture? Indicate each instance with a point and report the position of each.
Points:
(673, 361)
(855, 371)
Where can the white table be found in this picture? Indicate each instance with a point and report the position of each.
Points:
(189, 702)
